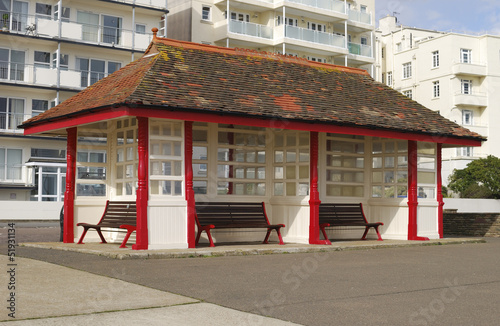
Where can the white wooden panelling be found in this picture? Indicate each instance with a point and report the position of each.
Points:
(167, 226)
(427, 226)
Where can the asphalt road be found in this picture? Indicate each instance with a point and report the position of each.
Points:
(428, 285)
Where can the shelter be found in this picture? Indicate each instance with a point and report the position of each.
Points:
(189, 122)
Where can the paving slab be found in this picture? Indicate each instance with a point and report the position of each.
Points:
(47, 290)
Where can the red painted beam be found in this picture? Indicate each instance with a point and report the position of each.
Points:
(188, 166)
(439, 180)
(111, 113)
(69, 193)
(314, 200)
(142, 239)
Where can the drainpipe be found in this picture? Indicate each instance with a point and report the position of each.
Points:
(228, 17)
(133, 30)
(284, 29)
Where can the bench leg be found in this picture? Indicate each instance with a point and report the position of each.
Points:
(100, 235)
(366, 232)
(378, 234)
(210, 238)
(324, 233)
(207, 230)
(80, 241)
(278, 231)
(129, 233)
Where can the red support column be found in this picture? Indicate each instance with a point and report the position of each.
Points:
(439, 158)
(69, 193)
(188, 166)
(313, 192)
(142, 239)
(412, 192)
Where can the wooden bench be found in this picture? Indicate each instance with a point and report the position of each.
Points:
(233, 215)
(117, 215)
(331, 215)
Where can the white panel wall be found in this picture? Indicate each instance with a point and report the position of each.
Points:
(295, 216)
(167, 225)
(427, 213)
(394, 215)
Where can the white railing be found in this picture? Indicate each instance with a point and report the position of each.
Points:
(362, 17)
(360, 49)
(332, 5)
(250, 29)
(88, 33)
(146, 3)
(11, 72)
(10, 121)
(315, 36)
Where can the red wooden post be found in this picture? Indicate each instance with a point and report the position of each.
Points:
(412, 192)
(439, 158)
(188, 166)
(69, 193)
(142, 239)
(313, 192)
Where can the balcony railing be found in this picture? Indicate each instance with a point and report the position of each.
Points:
(362, 17)
(11, 72)
(75, 31)
(474, 98)
(250, 29)
(332, 5)
(360, 49)
(10, 121)
(309, 35)
(146, 3)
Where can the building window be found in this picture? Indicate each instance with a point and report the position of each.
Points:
(435, 87)
(43, 9)
(406, 70)
(65, 16)
(49, 183)
(364, 41)
(408, 93)
(63, 61)
(206, 13)
(12, 64)
(467, 117)
(389, 78)
(291, 164)
(465, 56)
(435, 59)
(240, 17)
(465, 151)
(363, 8)
(39, 106)
(93, 70)
(140, 28)
(112, 29)
(316, 59)
(389, 168)
(383, 78)
(312, 26)
(383, 53)
(11, 113)
(288, 21)
(10, 164)
(466, 86)
(42, 59)
(241, 160)
(345, 165)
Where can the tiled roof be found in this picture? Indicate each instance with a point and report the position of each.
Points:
(202, 78)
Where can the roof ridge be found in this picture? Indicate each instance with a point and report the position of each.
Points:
(255, 53)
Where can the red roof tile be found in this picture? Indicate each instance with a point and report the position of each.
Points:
(203, 78)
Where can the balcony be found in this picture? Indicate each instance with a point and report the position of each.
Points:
(46, 27)
(474, 99)
(469, 69)
(28, 74)
(144, 3)
(316, 37)
(331, 5)
(360, 49)
(10, 121)
(360, 17)
(250, 29)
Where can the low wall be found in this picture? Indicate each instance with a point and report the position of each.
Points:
(14, 210)
(471, 224)
(465, 205)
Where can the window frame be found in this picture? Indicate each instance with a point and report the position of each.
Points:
(467, 117)
(466, 86)
(206, 13)
(435, 59)
(436, 89)
(407, 70)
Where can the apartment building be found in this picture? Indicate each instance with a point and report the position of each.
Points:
(454, 74)
(49, 51)
(333, 31)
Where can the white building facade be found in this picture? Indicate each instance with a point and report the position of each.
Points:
(331, 31)
(49, 51)
(454, 74)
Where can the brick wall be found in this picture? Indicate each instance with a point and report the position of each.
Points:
(471, 224)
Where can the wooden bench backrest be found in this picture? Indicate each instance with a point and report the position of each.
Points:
(342, 214)
(119, 213)
(231, 214)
